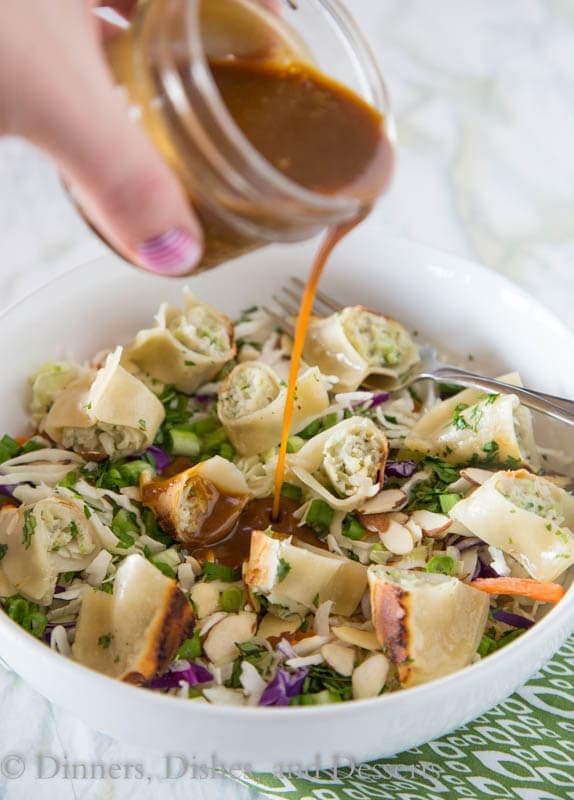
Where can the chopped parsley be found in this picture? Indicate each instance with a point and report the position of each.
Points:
(323, 685)
(3, 550)
(490, 643)
(220, 572)
(283, 570)
(105, 640)
(30, 523)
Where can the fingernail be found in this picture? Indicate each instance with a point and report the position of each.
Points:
(173, 253)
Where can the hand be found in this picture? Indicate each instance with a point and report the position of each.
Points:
(56, 91)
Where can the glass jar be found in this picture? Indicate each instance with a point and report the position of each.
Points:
(162, 60)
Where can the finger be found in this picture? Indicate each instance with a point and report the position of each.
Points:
(66, 102)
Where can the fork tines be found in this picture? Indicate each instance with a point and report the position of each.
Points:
(289, 302)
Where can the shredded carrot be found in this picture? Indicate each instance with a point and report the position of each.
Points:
(22, 440)
(537, 590)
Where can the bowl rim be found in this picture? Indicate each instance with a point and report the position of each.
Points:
(563, 612)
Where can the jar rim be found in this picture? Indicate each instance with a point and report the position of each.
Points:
(339, 205)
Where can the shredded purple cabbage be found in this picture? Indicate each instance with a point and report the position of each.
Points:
(162, 459)
(516, 620)
(378, 399)
(286, 649)
(192, 674)
(400, 469)
(203, 398)
(283, 687)
(484, 570)
(9, 490)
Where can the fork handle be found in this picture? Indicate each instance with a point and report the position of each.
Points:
(556, 407)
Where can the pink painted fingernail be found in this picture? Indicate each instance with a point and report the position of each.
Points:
(173, 253)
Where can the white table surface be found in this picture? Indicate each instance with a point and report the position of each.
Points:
(483, 93)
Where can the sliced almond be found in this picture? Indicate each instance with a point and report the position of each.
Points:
(397, 539)
(431, 523)
(207, 623)
(219, 645)
(339, 657)
(378, 523)
(305, 661)
(415, 530)
(461, 486)
(310, 645)
(366, 640)
(370, 676)
(476, 476)
(205, 599)
(385, 501)
(271, 625)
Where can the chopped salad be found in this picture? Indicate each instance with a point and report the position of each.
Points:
(419, 529)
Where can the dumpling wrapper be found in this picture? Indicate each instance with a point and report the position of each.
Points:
(185, 348)
(356, 343)
(429, 625)
(343, 465)
(200, 505)
(134, 633)
(111, 413)
(474, 423)
(526, 516)
(295, 576)
(252, 401)
(44, 539)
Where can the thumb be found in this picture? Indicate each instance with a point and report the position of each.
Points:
(69, 105)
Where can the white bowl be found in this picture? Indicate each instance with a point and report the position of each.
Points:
(467, 309)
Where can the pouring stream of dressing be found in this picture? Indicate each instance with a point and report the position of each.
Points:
(331, 240)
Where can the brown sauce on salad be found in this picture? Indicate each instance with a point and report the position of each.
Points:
(233, 550)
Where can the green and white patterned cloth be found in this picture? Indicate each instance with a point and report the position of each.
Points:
(521, 750)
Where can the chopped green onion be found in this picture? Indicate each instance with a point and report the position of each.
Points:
(190, 648)
(447, 501)
(315, 699)
(318, 426)
(26, 614)
(227, 451)
(167, 561)
(130, 471)
(123, 525)
(204, 426)
(214, 441)
(292, 492)
(184, 442)
(70, 480)
(444, 565)
(231, 599)
(320, 515)
(352, 528)
(294, 444)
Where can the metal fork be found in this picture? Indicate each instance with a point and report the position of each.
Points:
(429, 367)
